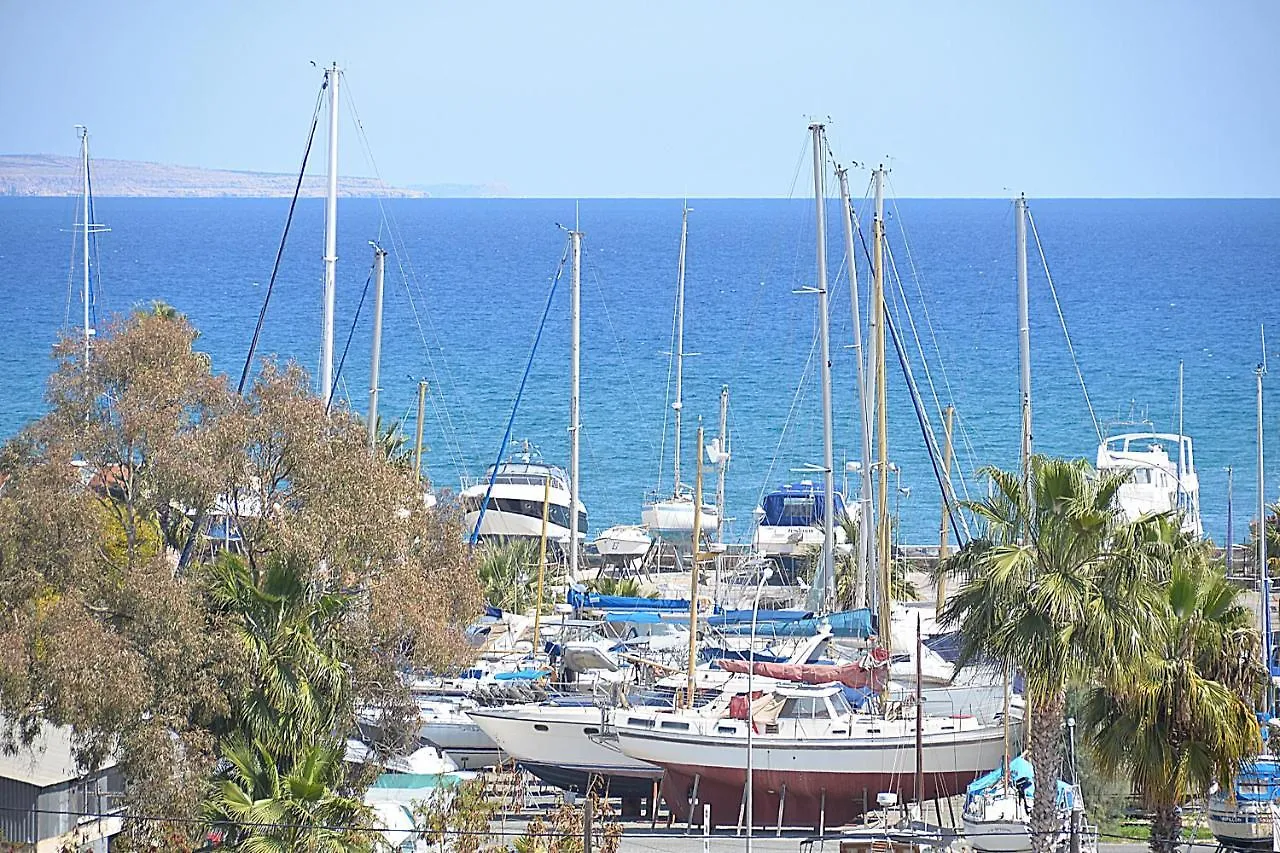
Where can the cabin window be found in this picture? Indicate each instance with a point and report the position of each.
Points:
(839, 705)
(640, 721)
(1142, 476)
(539, 727)
(591, 730)
(805, 708)
(680, 727)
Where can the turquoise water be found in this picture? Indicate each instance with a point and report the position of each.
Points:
(1143, 285)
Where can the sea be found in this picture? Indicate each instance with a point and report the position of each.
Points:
(1146, 288)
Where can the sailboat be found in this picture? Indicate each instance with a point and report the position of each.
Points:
(671, 517)
(1243, 818)
(86, 229)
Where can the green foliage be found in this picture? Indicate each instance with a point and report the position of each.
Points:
(629, 587)
(561, 831)
(259, 808)
(459, 814)
(298, 689)
(1179, 720)
(508, 572)
(846, 562)
(1052, 591)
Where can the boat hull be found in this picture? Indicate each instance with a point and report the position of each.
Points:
(997, 836)
(840, 777)
(1241, 827)
(464, 743)
(562, 746)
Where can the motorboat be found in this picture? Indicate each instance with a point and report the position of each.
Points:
(518, 492)
(789, 523)
(1162, 475)
(623, 543)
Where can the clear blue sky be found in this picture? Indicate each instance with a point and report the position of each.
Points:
(657, 98)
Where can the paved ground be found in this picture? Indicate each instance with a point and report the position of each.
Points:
(637, 837)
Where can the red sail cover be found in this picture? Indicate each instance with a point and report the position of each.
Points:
(850, 675)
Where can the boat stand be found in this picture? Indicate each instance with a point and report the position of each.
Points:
(782, 804)
(653, 807)
(822, 814)
(742, 809)
(693, 798)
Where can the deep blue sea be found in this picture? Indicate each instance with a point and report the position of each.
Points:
(1143, 285)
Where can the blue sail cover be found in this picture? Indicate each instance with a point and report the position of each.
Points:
(1259, 781)
(582, 598)
(847, 624)
(1021, 776)
(797, 505)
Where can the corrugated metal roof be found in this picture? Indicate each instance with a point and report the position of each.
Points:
(46, 761)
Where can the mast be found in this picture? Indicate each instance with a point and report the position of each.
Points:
(678, 405)
(542, 562)
(1181, 445)
(575, 294)
(375, 360)
(84, 167)
(1024, 341)
(828, 462)
(948, 419)
(866, 553)
(417, 439)
(883, 557)
(330, 242)
(1265, 588)
(919, 782)
(722, 445)
(693, 575)
(1230, 532)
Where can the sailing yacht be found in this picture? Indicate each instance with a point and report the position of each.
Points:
(508, 501)
(671, 517)
(1158, 482)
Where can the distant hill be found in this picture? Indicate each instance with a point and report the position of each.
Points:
(49, 175)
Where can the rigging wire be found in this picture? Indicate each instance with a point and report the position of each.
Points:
(355, 320)
(284, 237)
(1063, 321)
(942, 365)
(924, 362)
(515, 404)
(409, 277)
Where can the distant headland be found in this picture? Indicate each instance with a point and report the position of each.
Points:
(38, 175)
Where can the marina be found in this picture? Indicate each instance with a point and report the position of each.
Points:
(841, 519)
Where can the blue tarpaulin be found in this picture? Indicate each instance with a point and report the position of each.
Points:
(1022, 777)
(797, 505)
(850, 624)
(582, 598)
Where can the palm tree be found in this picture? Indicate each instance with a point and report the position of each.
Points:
(256, 807)
(846, 563)
(1047, 594)
(509, 572)
(298, 687)
(1183, 720)
(627, 587)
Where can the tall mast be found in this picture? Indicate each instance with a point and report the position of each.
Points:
(375, 360)
(883, 556)
(84, 167)
(693, 575)
(1181, 444)
(1024, 341)
(330, 242)
(1265, 588)
(866, 552)
(827, 574)
(948, 419)
(722, 445)
(678, 405)
(575, 292)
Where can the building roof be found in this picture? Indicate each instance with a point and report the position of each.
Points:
(48, 760)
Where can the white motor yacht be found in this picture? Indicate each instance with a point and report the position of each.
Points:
(517, 491)
(1158, 482)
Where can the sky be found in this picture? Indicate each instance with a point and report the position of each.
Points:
(1128, 98)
